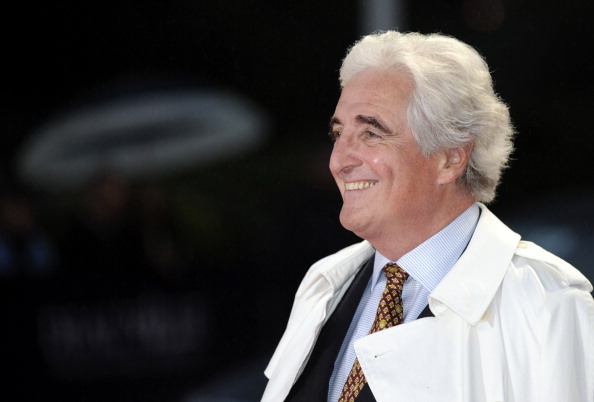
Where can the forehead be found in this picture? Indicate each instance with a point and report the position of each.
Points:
(377, 88)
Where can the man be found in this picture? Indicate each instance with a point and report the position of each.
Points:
(467, 311)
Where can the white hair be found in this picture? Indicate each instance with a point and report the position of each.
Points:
(453, 102)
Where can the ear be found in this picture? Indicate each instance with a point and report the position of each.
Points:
(454, 161)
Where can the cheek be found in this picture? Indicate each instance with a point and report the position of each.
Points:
(424, 175)
(383, 166)
(388, 169)
(377, 161)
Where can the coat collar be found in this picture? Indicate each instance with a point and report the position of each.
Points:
(470, 286)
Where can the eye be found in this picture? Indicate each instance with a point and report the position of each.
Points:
(372, 134)
(334, 134)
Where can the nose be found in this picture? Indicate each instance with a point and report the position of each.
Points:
(345, 155)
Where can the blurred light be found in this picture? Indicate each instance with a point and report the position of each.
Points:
(142, 136)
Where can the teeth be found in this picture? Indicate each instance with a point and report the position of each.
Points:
(359, 185)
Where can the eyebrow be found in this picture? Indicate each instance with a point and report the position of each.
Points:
(372, 121)
(333, 121)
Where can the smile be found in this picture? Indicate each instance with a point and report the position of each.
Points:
(359, 185)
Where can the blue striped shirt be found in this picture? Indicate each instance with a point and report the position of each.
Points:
(427, 265)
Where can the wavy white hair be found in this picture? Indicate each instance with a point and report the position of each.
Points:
(453, 101)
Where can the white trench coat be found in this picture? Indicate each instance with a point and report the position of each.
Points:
(512, 323)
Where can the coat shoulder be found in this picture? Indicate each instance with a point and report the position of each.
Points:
(551, 271)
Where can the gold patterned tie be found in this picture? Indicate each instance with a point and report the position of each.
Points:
(389, 314)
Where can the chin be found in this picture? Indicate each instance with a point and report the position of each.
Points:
(352, 224)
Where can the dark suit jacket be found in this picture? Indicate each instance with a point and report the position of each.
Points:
(312, 385)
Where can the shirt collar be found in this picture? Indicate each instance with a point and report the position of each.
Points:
(431, 260)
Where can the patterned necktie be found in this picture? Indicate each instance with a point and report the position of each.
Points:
(389, 314)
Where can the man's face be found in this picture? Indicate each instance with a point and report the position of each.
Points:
(387, 185)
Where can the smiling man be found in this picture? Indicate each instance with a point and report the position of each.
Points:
(380, 169)
(441, 301)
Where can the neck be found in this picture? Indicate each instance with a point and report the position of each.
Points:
(406, 237)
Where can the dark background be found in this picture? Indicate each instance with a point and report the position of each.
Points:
(105, 321)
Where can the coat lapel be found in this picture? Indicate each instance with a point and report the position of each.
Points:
(318, 295)
(312, 384)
